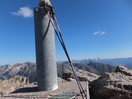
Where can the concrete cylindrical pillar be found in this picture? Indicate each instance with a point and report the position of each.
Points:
(45, 51)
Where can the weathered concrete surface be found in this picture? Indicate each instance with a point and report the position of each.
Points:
(45, 51)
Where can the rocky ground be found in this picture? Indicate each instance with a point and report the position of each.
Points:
(8, 86)
(30, 91)
(114, 85)
(19, 87)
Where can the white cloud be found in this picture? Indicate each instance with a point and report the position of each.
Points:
(25, 12)
(99, 33)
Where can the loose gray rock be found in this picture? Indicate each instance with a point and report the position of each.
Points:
(116, 85)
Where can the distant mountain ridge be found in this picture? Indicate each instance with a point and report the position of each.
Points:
(115, 61)
(97, 68)
(28, 69)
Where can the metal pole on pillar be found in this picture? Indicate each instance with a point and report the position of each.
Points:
(45, 49)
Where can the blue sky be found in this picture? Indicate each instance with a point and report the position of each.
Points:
(91, 29)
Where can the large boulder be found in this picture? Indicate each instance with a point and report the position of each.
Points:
(86, 76)
(8, 86)
(116, 85)
(124, 70)
(82, 75)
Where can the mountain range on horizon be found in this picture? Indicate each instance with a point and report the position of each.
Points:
(28, 69)
(113, 61)
(97, 66)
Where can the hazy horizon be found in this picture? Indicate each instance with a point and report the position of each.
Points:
(72, 60)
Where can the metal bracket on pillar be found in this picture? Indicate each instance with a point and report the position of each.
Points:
(42, 2)
(47, 6)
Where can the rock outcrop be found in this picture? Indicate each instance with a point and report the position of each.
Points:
(26, 69)
(8, 86)
(124, 70)
(82, 75)
(115, 85)
(86, 76)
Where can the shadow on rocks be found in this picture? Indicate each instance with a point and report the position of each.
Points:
(26, 90)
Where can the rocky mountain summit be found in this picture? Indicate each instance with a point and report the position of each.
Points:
(28, 69)
(109, 85)
(115, 85)
(17, 76)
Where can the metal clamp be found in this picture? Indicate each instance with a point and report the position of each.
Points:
(47, 7)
